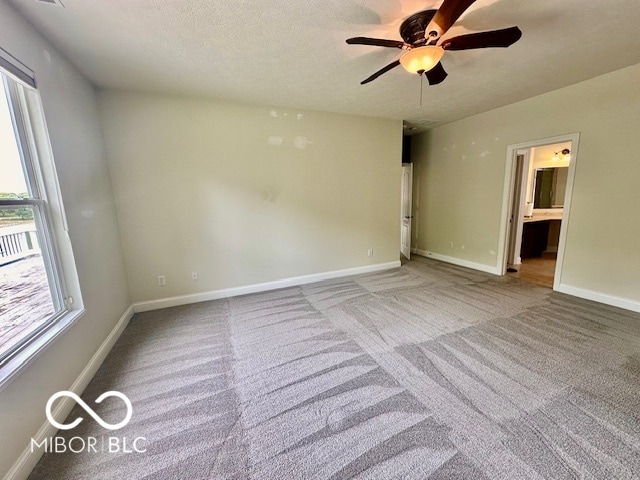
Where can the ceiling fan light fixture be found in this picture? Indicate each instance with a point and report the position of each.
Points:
(421, 59)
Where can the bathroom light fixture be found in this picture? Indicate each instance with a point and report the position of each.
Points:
(565, 152)
(421, 59)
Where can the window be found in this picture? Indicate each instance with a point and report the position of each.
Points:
(34, 303)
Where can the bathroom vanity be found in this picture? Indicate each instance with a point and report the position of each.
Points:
(536, 233)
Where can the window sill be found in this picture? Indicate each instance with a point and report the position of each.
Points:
(10, 370)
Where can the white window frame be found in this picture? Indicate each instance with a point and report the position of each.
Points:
(45, 200)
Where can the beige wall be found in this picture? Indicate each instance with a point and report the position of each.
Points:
(246, 194)
(460, 168)
(76, 139)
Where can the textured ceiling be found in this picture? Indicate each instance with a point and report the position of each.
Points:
(293, 53)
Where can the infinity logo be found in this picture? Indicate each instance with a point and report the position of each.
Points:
(89, 410)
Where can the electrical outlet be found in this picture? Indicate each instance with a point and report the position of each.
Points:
(450, 244)
(461, 247)
(194, 275)
(370, 252)
(161, 281)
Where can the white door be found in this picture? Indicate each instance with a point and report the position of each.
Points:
(518, 209)
(405, 210)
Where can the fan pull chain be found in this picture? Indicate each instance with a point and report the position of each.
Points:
(420, 75)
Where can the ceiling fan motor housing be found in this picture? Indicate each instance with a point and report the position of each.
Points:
(413, 28)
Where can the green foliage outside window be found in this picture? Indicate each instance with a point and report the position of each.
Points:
(16, 213)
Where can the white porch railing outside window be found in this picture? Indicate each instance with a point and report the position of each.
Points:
(18, 242)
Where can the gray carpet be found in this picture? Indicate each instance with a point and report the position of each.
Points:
(427, 371)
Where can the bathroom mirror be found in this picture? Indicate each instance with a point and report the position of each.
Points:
(550, 187)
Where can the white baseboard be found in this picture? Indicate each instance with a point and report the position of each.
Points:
(28, 459)
(458, 261)
(599, 297)
(259, 287)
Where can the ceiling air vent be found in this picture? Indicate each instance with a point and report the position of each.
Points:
(55, 3)
(424, 123)
(418, 126)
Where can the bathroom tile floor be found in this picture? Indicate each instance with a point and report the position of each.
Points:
(539, 270)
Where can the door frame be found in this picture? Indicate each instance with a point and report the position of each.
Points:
(508, 192)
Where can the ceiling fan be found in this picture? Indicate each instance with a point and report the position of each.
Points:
(421, 33)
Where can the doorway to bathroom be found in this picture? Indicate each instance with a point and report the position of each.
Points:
(538, 193)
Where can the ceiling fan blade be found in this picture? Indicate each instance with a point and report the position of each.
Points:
(380, 72)
(447, 14)
(495, 38)
(436, 75)
(377, 42)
